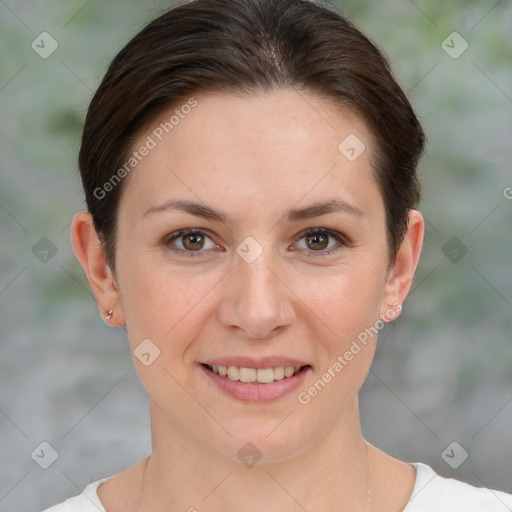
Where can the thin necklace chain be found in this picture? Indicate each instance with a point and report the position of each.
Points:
(370, 497)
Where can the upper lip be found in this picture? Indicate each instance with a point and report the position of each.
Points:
(250, 362)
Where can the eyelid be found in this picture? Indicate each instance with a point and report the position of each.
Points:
(331, 232)
(343, 240)
(339, 237)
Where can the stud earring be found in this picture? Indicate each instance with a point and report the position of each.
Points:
(109, 315)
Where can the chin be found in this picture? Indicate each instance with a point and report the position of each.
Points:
(260, 442)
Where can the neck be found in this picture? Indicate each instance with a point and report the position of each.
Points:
(332, 474)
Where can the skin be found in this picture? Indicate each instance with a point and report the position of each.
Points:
(254, 158)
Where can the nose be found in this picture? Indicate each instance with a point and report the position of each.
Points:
(257, 303)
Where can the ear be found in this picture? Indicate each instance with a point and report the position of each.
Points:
(89, 252)
(402, 273)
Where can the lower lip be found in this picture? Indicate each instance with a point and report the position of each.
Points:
(254, 391)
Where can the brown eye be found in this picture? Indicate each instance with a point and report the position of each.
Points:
(322, 241)
(193, 241)
(318, 241)
(189, 242)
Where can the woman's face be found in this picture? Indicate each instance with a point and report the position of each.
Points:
(249, 288)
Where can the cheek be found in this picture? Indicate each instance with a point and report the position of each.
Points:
(158, 302)
(345, 302)
(348, 308)
(162, 307)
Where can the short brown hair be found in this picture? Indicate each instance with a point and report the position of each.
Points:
(249, 47)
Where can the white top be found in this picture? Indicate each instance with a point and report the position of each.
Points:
(431, 493)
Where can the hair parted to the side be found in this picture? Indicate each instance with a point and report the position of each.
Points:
(249, 47)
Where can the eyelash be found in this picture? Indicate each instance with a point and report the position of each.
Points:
(341, 239)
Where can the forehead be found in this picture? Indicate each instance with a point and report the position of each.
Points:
(261, 149)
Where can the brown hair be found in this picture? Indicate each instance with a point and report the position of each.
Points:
(248, 47)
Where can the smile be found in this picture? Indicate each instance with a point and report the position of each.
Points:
(249, 384)
(255, 375)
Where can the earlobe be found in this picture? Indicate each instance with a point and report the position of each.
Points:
(89, 252)
(402, 274)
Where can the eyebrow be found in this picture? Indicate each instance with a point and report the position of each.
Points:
(294, 215)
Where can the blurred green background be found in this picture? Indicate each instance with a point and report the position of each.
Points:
(443, 371)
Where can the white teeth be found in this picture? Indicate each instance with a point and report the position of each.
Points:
(260, 375)
(288, 371)
(265, 375)
(247, 374)
(279, 373)
(234, 373)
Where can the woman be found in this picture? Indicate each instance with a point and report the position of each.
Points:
(250, 175)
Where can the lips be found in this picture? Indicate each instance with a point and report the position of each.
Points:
(251, 380)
